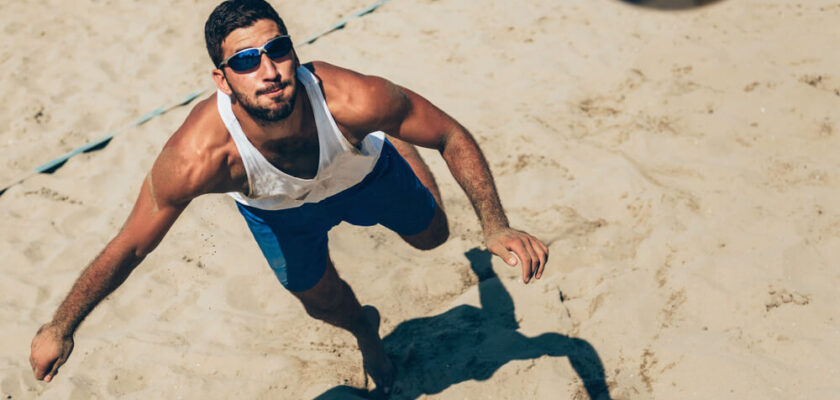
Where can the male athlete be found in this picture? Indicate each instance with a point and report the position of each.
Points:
(300, 148)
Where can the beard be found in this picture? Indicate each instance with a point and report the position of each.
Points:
(263, 115)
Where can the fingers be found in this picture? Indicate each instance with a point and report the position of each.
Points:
(53, 370)
(519, 247)
(37, 368)
(501, 251)
(48, 353)
(523, 250)
(529, 250)
(542, 252)
(40, 369)
(536, 260)
(57, 362)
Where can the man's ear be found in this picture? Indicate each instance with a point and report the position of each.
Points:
(221, 81)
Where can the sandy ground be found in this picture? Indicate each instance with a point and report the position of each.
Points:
(681, 165)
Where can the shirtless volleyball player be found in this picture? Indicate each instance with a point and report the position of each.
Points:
(300, 148)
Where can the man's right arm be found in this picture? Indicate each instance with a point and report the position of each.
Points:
(161, 200)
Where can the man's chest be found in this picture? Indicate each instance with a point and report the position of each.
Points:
(297, 156)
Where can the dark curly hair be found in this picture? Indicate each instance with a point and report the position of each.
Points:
(232, 15)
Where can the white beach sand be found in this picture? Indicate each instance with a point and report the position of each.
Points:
(682, 166)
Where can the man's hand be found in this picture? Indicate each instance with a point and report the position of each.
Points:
(50, 349)
(529, 249)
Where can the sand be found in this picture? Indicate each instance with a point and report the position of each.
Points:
(682, 167)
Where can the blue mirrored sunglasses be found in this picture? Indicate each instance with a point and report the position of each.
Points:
(248, 59)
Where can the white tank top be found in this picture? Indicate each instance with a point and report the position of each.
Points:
(340, 164)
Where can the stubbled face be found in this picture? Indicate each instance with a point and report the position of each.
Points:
(268, 91)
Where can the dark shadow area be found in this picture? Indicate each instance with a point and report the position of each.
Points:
(671, 4)
(469, 343)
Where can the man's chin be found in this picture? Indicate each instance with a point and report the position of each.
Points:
(274, 113)
(273, 110)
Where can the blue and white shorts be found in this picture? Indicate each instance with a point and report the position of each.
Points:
(294, 241)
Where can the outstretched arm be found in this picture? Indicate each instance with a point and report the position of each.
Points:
(366, 103)
(156, 209)
(426, 125)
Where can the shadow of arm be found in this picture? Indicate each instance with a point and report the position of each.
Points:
(582, 356)
(494, 297)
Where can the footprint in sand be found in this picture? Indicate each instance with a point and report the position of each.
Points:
(780, 297)
(821, 82)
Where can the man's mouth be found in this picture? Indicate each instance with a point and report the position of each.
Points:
(272, 89)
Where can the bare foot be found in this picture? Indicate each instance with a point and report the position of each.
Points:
(376, 361)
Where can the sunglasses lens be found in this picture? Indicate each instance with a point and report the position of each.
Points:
(245, 60)
(250, 59)
(279, 47)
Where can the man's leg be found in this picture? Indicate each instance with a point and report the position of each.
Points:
(331, 300)
(438, 230)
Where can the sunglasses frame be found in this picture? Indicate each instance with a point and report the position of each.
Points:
(260, 51)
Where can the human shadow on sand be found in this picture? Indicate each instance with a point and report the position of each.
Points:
(468, 343)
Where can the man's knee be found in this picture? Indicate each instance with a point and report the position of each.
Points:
(435, 235)
(323, 306)
(326, 296)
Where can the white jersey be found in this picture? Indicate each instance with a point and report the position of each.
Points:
(340, 164)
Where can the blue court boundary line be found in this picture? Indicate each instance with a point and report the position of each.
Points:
(51, 166)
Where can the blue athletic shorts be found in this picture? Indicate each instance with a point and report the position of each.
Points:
(294, 241)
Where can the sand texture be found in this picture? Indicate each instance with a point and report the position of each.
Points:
(682, 166)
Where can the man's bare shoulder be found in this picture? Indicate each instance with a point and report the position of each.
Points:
(197, 157)
(359, 102)
(202, 129)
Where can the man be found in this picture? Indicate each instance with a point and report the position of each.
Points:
(300, 148)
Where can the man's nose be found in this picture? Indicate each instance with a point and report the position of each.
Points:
(267, 68)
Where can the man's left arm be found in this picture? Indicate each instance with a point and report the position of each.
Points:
(410, 117)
